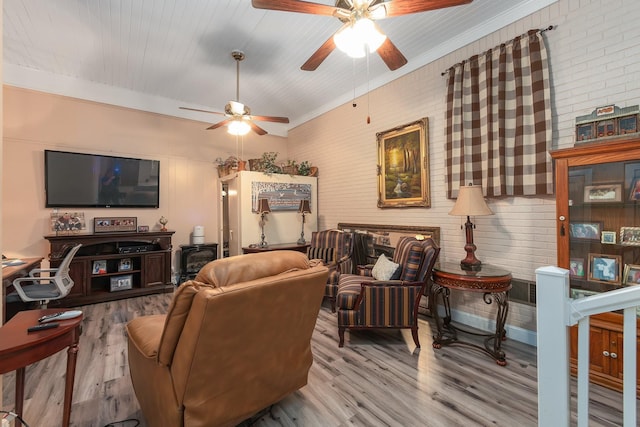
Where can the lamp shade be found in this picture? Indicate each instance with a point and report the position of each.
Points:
(470, 202)
(304, 206)
(238, 127)
(263, 206)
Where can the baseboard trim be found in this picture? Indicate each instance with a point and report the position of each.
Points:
(513, 332)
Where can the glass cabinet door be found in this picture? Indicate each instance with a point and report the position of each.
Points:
(604, 226)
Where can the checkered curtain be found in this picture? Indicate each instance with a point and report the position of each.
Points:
(499, 120)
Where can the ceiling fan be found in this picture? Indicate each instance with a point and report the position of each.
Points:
(239, 118)
(358, 15)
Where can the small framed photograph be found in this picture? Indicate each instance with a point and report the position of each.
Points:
(114, 224)
(608, 237)
(585, 230)
(125, 264)
(99, 267)
(631, 274)
(121, 283)
(630, 236)
(143, 229)
(576, 268)
(68, 221)
(603, 193)
(605, 268)
(634, 193)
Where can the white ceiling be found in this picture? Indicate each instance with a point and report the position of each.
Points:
(157, 55)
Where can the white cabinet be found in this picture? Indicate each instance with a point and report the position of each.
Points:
(283, 224)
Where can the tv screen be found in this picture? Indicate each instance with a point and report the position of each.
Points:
(89, 180)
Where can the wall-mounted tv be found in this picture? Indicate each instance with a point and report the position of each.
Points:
(90, 180)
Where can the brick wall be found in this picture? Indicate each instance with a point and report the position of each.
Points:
(595, 60)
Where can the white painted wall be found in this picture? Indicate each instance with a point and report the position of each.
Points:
(594, 59)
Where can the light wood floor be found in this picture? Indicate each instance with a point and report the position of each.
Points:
(377, 379)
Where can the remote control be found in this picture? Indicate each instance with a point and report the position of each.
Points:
(42, 327)
(61, 315)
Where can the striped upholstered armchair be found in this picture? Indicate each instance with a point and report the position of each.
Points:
(333, 247)
(364, 302)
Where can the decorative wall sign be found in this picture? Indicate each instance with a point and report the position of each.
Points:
(403, 166)
(282, 196)
(114, 223)
(68, 221)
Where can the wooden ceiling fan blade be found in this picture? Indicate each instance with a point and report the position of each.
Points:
(391, 55)
(406, 7)
(321, 54)
(202, 111)
(296, 6)
(257, 129)
(271, 119)
(217, 125)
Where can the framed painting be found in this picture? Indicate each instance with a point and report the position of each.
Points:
(403, 166)
(603, 193)
(605, 268)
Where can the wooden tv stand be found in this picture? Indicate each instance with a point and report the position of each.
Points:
(111, 266)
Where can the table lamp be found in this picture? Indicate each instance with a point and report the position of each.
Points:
(470, 202)
(263, 209)
(303, 209)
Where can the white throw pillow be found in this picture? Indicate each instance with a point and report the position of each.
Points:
(384, 268)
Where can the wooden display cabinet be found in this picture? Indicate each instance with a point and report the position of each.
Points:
(112, 266)
(595, 200)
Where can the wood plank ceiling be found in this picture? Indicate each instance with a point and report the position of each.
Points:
(158, 55)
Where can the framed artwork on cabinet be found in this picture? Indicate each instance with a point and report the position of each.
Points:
(576, 268)
(603, 193)
(585, 230)
(605, 268)
(630, 236)
(120, 283)
(631, 275)
(608, 237)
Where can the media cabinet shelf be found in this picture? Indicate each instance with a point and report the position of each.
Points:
(140, 261)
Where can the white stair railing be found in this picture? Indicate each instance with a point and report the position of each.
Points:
(556, 311)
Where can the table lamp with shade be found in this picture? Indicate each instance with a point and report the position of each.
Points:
(303, 209)
(263, 210)
(470, 203)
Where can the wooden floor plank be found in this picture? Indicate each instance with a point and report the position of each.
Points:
(378, 378)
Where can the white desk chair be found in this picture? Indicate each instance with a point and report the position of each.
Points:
(43, 289)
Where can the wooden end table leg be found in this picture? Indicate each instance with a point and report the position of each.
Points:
(72, 355)
(19, 393)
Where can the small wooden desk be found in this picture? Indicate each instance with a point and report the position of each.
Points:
(19, 348)
(277, 247)
(493, 282)
(9, 274)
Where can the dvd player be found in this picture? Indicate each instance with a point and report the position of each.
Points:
(135, 249)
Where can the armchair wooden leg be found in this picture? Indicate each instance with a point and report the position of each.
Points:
(341, 335)
(414, 333)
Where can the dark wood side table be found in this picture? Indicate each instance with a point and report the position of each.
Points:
(276, 247)
(493, 282)
(19, 348)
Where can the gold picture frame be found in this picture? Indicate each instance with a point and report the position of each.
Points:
(403, 166)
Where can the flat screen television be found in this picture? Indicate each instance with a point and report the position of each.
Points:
(95, 181)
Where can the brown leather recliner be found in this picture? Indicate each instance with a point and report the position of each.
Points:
(234, 341)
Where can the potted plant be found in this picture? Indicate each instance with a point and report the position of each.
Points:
(304, 168)
(291, 167)
(268, 163)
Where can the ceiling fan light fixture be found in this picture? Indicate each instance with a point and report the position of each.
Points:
(355, 38)
(238, 127)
